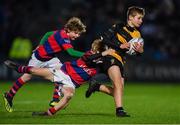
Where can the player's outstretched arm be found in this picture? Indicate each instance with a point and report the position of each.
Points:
(74, 53)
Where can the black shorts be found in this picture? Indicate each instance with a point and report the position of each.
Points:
(109, 61)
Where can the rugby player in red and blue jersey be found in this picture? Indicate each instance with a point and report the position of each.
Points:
(70, 76)
(44, 55)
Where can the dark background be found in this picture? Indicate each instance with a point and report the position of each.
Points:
(31, 19)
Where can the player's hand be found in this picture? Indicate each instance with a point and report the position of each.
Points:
(108, 52)
(138, 47)
(125, 46)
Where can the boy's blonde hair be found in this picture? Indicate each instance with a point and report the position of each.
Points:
(75, 24)
(134, 10)
(97, 46)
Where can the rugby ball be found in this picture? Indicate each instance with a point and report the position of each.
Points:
(132, 42)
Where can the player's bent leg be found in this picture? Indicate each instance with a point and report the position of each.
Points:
(43, 72)
(68, 93)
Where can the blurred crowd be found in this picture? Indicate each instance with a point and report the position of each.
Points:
(31, 19)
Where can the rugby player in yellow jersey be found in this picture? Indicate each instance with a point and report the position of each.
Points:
(117, 38)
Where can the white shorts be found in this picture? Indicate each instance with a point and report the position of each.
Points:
(61, 77)
(53, 63)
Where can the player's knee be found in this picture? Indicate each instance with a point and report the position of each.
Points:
(26, 77)
(69, 95)
(33, 70)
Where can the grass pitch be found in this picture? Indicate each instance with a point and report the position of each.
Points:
(146, 103)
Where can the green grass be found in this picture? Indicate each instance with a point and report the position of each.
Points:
(146, 103)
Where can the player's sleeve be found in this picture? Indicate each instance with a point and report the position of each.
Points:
(111, 44)
(74, 53)
(45, 37)
(109, 37)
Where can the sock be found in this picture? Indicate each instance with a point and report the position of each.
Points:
(56, 96)
(51, 111)
(24, 69)
(16, 86)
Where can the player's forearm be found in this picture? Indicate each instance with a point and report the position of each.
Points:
(94, 56)
(98, 55)
(74, 53)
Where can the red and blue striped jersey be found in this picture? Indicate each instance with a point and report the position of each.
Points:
(56, 43)
(81, 70)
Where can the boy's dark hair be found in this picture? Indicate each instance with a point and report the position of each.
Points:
(75, 24)
(134, 10)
